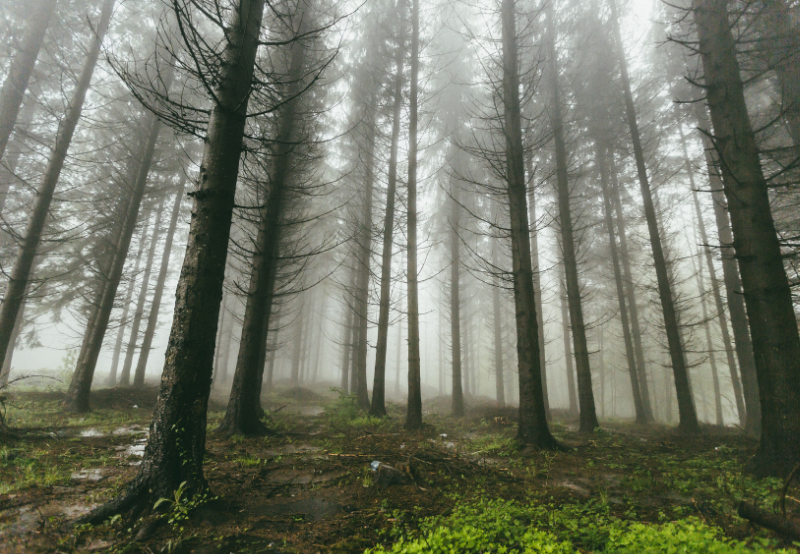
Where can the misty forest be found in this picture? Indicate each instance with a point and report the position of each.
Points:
(399, 276)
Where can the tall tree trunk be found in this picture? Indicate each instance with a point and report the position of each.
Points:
(712, 358)
(537, 289)
(225, 338)
(601, 151)
(152, 319)
(273, 348)
(298, 347)
(588, 416)
(19, 73)
(497, 323)
(688, 415)
(398, 358)
(414, 412)
(123, 321)
(773, 324)
(732, 281)
(77, 397)
(5, 371)
(125, 376)
(565, 326)
(18, 281)
(378, 407)
(176, 447)
(630, 292)
(364, 258)
(455, 298)
(243, 413)
(347, 341)
(715, 289)
(533, 428)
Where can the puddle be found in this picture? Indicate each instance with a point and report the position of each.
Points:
(88, 475)
(313, 508)
(89, 433)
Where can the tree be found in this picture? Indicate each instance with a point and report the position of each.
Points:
(533, 428)
(773, 325)
(18, 281)
(176, 447)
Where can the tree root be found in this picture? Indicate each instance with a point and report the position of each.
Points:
(781, 525)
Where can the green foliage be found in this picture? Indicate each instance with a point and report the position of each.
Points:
(344, 414)
(509, 527)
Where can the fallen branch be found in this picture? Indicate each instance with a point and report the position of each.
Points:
(788, 528)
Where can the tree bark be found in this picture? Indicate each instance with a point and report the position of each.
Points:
(18, 282)
(414, 412)
(533, 428)
(455, 298)
(152, 319)
(112, 376)
(226, 337)
(497, 323)
(5, 371)
(715, 290)
(565, 326)
(601, 151)
(537, 290)
(588, 415)
(8, 169)
(298, 347)
(630, 292)
(273, 348)
(773, 324)
(22, 65)
(243, 413)
(712, 358)
(686, 409)
(125, 376)
(732, 281)
(176, 447)
(378, 407)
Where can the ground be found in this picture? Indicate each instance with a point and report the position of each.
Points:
(311, 488)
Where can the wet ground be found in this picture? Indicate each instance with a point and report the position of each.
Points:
(311, 488)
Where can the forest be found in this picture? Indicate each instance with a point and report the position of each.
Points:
(399, 276)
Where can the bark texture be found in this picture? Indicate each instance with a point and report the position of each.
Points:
(776, 344)
(176, 447)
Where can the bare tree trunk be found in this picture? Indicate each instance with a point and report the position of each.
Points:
(347, 341)
(5, 372)
(537, 290)
(630, 293)
(176, 447)
(243, 413)
(455, 298)
(601, 152)
(565, 326)
(715, 289)
(364, 257)
(497, 323)
(124, 379)
(732, 282)
(688, 415)
(19, 73)
(225, 337)
(712, 358)
(378, 407)
(588, 416)
(152, 319)
(273, 347)
(776, 344)
(533, 428)
(414, 413)
(399, 356)
(18, 281)
(123, 322)
(298, 346)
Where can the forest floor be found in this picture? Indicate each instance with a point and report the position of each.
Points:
(464, 483)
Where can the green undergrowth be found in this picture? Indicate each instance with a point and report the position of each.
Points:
(512, 527)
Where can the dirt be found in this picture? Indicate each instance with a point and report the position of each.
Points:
(310, 489)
